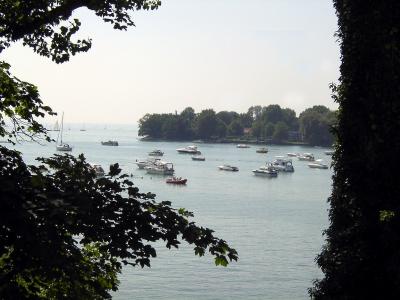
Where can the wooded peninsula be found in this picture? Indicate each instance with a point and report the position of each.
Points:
(260, 124)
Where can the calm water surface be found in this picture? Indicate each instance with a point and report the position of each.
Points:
(274, 223)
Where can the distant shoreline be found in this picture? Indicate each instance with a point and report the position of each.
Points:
(230, 141)
(260, 125)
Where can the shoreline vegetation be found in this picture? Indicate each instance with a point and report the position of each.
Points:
(226, 141)
(259, 125)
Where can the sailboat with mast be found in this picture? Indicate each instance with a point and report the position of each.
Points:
(62, 146)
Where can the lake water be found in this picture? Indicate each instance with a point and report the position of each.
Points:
(275, 224)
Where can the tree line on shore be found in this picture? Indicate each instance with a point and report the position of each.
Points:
(261, 123)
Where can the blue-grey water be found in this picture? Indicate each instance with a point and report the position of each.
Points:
(274, 223)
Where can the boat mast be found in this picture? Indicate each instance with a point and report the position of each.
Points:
(62, 127)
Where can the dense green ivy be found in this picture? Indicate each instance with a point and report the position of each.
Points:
(361, 257)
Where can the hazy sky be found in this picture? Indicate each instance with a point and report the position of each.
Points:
(220, 54)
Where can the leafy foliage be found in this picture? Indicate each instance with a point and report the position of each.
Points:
(316, 124)
(361, 258)
(206, 122)
(65, 234)
(46, 25)
(20, 105)
(65, 231)
(280, 132)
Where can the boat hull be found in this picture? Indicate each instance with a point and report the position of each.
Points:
(110, 143)
(264, 173)
(64, 149)
(317, 166)
(292, 154)
(230, 169)
(141, 165)
(159, 171)
(306, 159)
(284, 168)
(172, 181)
(182, 151)
(198, 158)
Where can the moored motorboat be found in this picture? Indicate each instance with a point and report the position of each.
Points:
(148, 162)
(144, 138)
(242, 146)
(176, 180)
(262, 150)
(228, 168)
(266, 171)
(198, 158)
(329, 152)
(161, 168)
(306, 157)
(318, 164)
(156, 152)
(283, 165)
(188, 150)
(110, 143)
(292, 154)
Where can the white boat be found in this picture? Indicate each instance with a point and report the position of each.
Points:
(144, 138)
(189, 150)
(318, 164)
(266, 171)
(329, 152)
(282, 164)
(262, 150)
(110, 143)
(292, 154)
(161, 168)
(156, 152)
(228, 168)
(306, 157)
(176, 180)
(148, 162)
(198, 158)
(242, 146)
(141, 164)
(62, 146)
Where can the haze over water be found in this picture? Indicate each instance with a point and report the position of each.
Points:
(274, 223)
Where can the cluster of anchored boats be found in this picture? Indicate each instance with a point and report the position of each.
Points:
(314, 163)
(154, 164)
